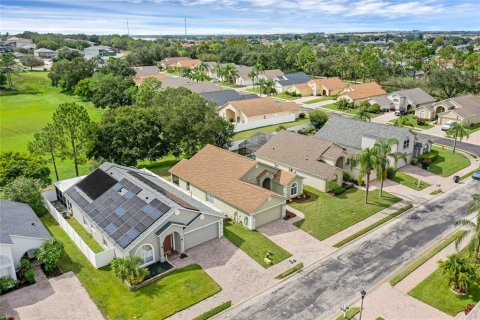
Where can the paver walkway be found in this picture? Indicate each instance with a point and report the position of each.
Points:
(62, 297)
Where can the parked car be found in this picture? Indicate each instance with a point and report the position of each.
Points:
(476, 175)
(401, 112)
(447, 125)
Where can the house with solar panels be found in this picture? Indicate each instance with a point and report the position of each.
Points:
(138, 213)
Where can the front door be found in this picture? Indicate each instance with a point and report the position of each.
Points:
(167, 244)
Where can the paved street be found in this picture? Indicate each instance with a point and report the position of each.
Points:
(319, 292)
(449, 142)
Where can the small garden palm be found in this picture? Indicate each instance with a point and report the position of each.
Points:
(363, 114)
(383, 150)
(367, 160)
(460, 272)
(473, 228)
(457, 131)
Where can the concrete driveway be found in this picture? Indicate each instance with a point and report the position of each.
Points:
(319, 291)
(62, 297)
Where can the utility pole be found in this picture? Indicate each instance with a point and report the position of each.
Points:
(128, 29)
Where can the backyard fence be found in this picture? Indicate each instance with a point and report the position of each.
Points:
(263, 123)
(98, 260)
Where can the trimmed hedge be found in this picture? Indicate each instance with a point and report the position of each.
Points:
(290, 271)
(214, 311)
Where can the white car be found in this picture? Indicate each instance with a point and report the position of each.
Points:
(447, 125)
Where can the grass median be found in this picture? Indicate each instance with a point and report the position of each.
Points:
(214, 311)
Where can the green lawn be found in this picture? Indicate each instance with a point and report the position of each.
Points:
(285, 96)
(325, 215)
(372, 226)
(229, 85)
(85, 235)
(289, 271)
(473, 128)
(253, 243)
(214, 311)
(334, 107)
(28, 108)
(318, 100)
(160, 167)
(410, 120)
(424, 258)
(352, 312)
(448, 162)
(158, 300)
(409, 181)
(436, 292)
(268, 129)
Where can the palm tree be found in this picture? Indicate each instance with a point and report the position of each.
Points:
(231, 73)
(203, 67)
(219, 71)
(457, 130)
(460, 271)
(267, 86)
(186, 72)
(128, 269)
(363, 114)
(367, 160)
(472, 228)
(383, 151)
(397, 156)
(253, 75)
(199, 75)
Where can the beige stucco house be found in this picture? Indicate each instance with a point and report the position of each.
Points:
(317, 161)
(260, 112)
(327, 86)
(358, 93)
(247, 191)
(301, 89)
(462, 109)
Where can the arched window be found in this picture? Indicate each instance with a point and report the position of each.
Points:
(245, 221)
(146, 253)
(294, 189)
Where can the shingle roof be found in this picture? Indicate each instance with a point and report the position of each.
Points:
(416, 95)
(272, 74)
(147, 70)
(301, 152)
(243, 71)
(293, 78)
(334, 83)
(139, 79)
(189, 63)
(18, 219)
(224, 96)
(348, 132)
(44, 50)
(170, 61)
(219, 172)
(470, 106)
(365, 90)
(383, 101)
(261, 106)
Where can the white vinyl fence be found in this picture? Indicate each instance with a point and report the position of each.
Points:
(98, 260)
(263, 123)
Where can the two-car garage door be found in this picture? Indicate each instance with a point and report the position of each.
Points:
(268, 215)
(201, 235)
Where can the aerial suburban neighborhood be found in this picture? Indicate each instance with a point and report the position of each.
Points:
(239, 160)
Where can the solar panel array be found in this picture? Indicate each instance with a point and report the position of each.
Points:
(120, 212)
(161, 190)
(96, 183)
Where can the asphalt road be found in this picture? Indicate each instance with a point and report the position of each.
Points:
(320, 292)
(449, 142)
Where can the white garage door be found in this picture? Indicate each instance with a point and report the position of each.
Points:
(200, 236)
(267, 216)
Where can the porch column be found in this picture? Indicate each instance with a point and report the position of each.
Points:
(162, 253)
(182, 244)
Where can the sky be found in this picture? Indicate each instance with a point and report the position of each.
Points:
(162, 17)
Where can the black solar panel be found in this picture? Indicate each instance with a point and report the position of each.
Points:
(96, 183)
(159, 189)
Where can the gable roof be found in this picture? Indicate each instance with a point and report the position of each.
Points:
(470, 106)
(224, 96)
(172, 60)
(189, 63)
(334, 83)
(293, 78)
(147, 70)
(139, 79)
(261, 106)
(243, 71)
(125, 202)
(382, 100)
(219, 172)
(272, 74)
(348, 132)
(416, 95)
(365, 90)
(18, 219)
(302, 86)
(302, 152)
(45, 50)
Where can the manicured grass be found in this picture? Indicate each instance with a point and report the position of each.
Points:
(409, 181)
(158, 300)
(91, 243)
(230, 85)
(285, 96)
(435, 291)
(334, 107)
(318, 100)
(28, 108)
(424, 258)
(288, 272)
(352, 312)
(410, 120)
(434, 193)
(448, 162)
(214, 311)
(253, 243)
(372, 226)
(474, 128)
(160, 167)
(326, 215)
(469, 174)
(268, 129)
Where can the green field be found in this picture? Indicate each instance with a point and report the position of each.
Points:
(268, 129)
(447, 162)
(28, 107)
(409, 181)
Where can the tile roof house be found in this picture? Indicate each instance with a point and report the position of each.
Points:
(138, 79)
(327, 86)
(285, 81)
(135, 212)
(258, 112)
(463, 109)
(222, 97)
(189, 63)
(357, 135)
(301, 89)
(171, 62)
(403, 100)
(146, 70)
(271, 74)
(317, 161)
(243, 78)
(246, 190)
(21, 232)
(357, 93)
